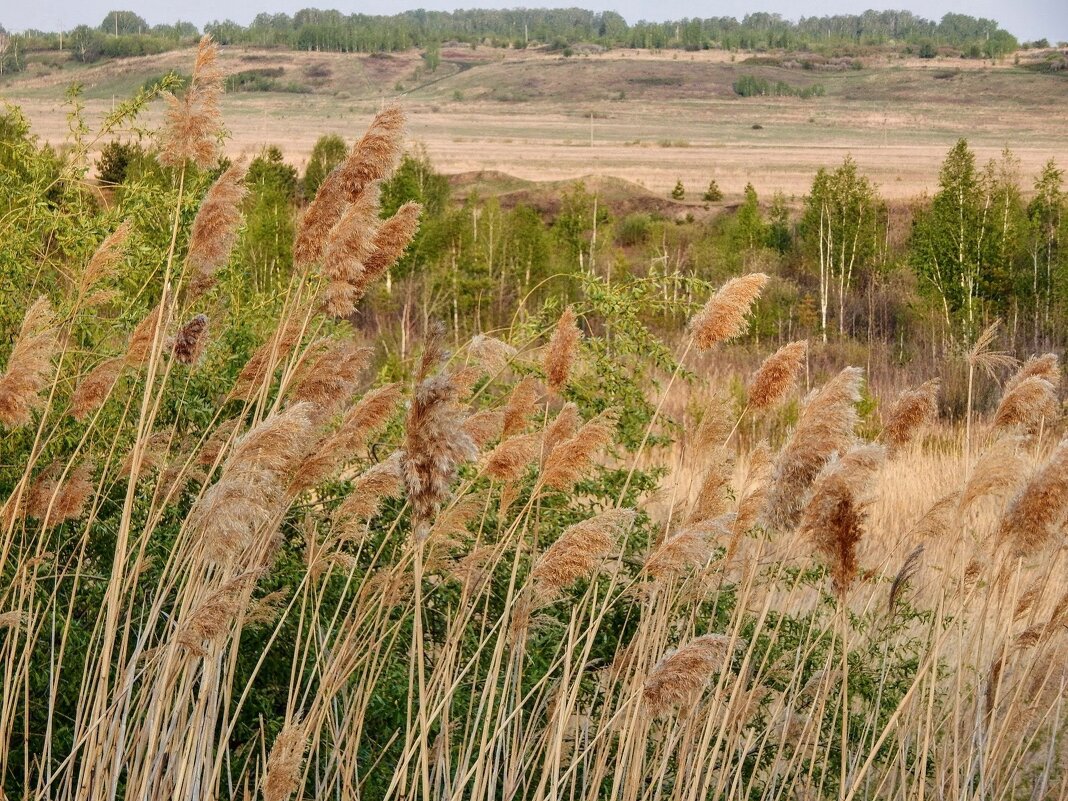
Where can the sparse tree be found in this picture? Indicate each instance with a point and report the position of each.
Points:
(713, 193)
(679, 192)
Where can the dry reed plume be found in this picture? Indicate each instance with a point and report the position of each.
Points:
(777, 375)
(913, 409)
(578, 551)
(1037, 513)
(677, 680)
(371, 160)
(436, 443)
(726, 314)
(560, 354)
(29, 366)
(192, 127)
(825, 427)
(215, 228)
(834, 517)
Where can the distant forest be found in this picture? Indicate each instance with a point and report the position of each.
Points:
(124, 33)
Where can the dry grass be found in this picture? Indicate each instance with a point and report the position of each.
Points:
(527, 114)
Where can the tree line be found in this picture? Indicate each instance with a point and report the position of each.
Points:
(125, 33)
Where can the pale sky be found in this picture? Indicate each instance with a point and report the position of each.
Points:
(1027, 19)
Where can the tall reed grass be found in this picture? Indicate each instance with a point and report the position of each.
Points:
(468, 585)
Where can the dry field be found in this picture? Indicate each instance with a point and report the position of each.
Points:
(649, 118)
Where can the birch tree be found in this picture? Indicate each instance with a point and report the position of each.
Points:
(840, 228)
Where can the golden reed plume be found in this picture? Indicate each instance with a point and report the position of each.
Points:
(372, 159)
(824, 428)
(560, 353)
(777, 375)
(215, 229)
(29, 366)
(677, 680)
(833, 520)
(913, 409)
(192, 126)
(726, 314)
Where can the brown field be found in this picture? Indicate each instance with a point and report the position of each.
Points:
(648, 118)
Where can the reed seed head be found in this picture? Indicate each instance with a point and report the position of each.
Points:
(1037, 513)
(578, 551)
(913, 409)
(677, 680)
(560, 354)
(29, 367)
(215, 229)
(192, 125)
(190, 341)
(833, 520)
(777, 375)
(726, 314)
(825, 427)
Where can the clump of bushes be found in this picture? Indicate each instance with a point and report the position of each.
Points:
(753, 86)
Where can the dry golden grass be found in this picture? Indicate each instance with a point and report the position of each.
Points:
(527, 114)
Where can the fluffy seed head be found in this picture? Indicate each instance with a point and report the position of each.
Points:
(285, 763)
(683, 551)
(511, 458)
(560, 354)
(1031, 401)
(913, 409)
(349, 245)
(1047, 366)
(490, 353)
(520, 406)
(484, 426)
(94, 389)
(777, 375)
(266, 358)
(233, 510)
(376, 155)
(726, 314)
(192, 126)
(372, 159)
(53, 502)
(383, 480)
(215, 228)
(677, 680)
(833, 520)
(388, 245)
(714, 494)
(578, 551)
(996, 472)
(824, 428)
(1038, 511)
(191, 339)
(212, 618)
(435, 441)
(359, 424)
(567, 461)
(105, 257)
(29, 366)
(143, 338)
(330, 377)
